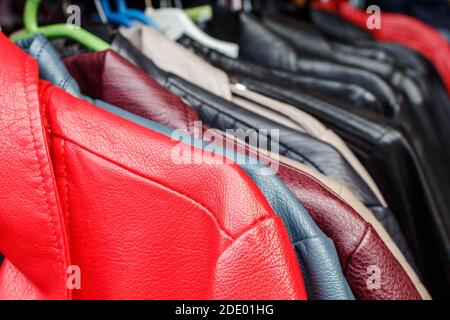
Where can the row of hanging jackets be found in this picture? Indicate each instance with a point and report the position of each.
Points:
(119, 163)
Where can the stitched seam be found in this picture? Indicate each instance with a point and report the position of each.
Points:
(44, 108)
(190, 117)
(350, 257)
(187, 116)
(66, 186)
(212, 215)
(62, 83)
(254, 225)
(233, 240)
(213, 121)
(47, 199)
(38, 56)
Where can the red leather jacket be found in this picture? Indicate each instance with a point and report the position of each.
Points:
(357, 243)
(83, 187)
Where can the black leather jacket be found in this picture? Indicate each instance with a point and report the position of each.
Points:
(420, 125)
(223, 114)
(403, 177)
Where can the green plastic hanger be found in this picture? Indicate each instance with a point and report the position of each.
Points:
(56, 30)
(200, 14)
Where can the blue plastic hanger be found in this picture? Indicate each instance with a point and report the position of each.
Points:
(118, 19)
(135, 14)
(125, 15)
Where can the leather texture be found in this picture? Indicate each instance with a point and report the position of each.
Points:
(340, 236)
(341, 221)
(294, 117)
(314, 84)
(426, 105)
(340, 190)
(185, 62)
(408, 103)
(204, 246)
(50, 68)
(392, 53)
(364, 213)
(421, 113)
(260, 45)
(424, 122)
(291, 146)
(301, 121)
(384, 215)
(317, 256)
(409, 62)
(337, 28)
(396, 290)
(316, 252)
(172, 58)
(310, 43)
(422, 109)
(380, 144)
(414, 34)
(296, 145)
(318, 156)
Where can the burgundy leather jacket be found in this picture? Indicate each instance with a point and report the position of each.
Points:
(90, 196)
(357, 243)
